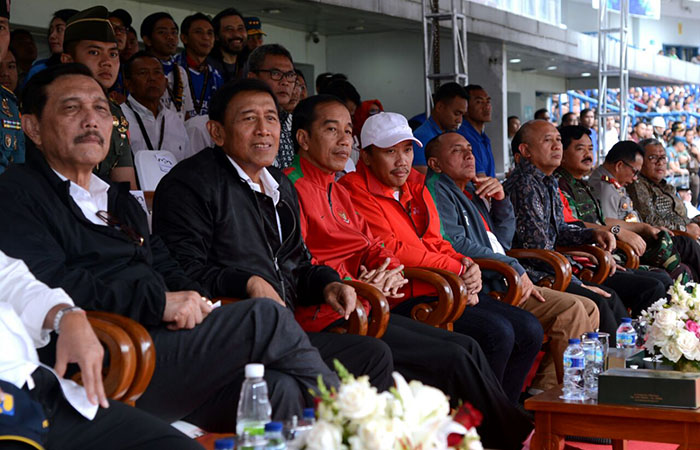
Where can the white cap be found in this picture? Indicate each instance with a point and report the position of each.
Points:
(254, 370)
(385, 130)
(658, 121)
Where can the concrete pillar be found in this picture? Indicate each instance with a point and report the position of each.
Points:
(487, 68)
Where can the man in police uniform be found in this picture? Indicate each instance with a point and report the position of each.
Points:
(12, 143)
(620, 169)
(89, 39)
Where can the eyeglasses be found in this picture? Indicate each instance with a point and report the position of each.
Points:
(276, 75)
(635, 172)
(657, 158)
(115, 223)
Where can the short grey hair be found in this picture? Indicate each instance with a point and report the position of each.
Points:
(257, 57)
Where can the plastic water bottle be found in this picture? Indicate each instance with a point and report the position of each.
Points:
(247, 442)
(225, 444)
(254, 408)
(573, 371)
(593, 353)
(273, 434)
(626, 334)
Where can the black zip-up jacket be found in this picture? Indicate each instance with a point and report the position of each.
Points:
(101, 267)
(213, 224)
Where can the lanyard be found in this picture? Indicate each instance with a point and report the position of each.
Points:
(198, 103)
(145, 133)
(178, 88)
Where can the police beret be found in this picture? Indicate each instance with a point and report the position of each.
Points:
(90, 24)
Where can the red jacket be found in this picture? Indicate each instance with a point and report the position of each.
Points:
(335, 234)
(410, 227)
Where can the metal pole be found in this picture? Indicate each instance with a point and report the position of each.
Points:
(426, 61)
(602, 71)
(624, 73)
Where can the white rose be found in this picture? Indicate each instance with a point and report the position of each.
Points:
(324, 436)
(357, 400)
(378, 434)
(687, 343)
(432, 401)
(671, 351)
(666, 320)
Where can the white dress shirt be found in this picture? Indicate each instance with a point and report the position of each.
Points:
(270, 185)
(166, 126)
(92, 200)
(24, 304)
(199, 135)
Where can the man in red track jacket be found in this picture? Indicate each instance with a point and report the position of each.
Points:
(400, 210)
(337, 236)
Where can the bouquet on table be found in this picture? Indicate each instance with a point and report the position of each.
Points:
(673, 327)
(410, 416)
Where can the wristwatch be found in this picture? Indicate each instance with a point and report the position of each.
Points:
(615, 229)
(59, 315)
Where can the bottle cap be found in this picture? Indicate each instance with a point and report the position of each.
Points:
(592, 335)
(574, 341)
(225, 444)
(254, 370)
(309, 413)
(626, 320)
(273, 426)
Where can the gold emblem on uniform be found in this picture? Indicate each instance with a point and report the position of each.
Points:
(115, 121)
(125, 123)
(8, 140)
(624, 206)
(6, 107)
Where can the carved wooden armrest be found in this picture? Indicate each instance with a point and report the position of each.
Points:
(631, 257)
(602, 258)
(514, 293)
(122, 357)
(379, 313)
(356, 324)
(145, 352)
(433, 313)
(460, 295)
(559, 264)
(683, 233)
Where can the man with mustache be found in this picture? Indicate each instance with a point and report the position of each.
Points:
(399, 210)
(12, 143)
(478, 219)
(447, 115)
(539, 217)
(227, 56)
(637, 289)
(89, 40)
(91, 238)
(160, 36)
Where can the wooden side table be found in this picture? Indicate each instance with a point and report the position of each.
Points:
(556, 418)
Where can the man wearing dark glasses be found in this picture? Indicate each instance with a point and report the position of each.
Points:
(91, 238)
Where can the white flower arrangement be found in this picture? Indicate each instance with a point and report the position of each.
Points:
(673, 326)
(410, 416)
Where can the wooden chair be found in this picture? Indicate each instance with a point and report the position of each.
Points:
(558, 262)
(438, 312)
(601, 259)
(131, 355)
(631, 257)
(514, 293)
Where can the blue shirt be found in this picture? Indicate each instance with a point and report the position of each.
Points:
(594, 138)
(201, 92)
(481, 148)
(424, 133)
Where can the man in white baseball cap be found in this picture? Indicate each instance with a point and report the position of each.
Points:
(395, 201)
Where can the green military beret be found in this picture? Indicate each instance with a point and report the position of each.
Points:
(5, 9)
(91, 24)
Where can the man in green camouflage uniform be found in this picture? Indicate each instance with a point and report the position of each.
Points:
(12, 138)
(89, 39)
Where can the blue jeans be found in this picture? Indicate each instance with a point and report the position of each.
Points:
(509, 337)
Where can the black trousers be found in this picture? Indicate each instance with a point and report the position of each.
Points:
(117, 427)
(509, 337)
(199, 372)
(454, 363)
(689, 250)
(611, 309)
(638, 289)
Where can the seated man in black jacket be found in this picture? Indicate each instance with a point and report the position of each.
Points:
(90, 238)
(232, 222)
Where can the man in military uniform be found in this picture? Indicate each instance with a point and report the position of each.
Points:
(89, 39)
(637, 289)
(12, 144)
